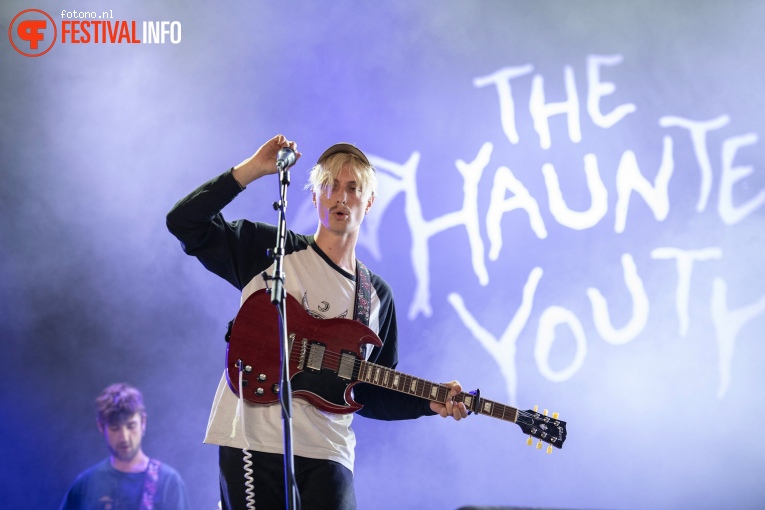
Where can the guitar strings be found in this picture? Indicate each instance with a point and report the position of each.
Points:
(331, 360)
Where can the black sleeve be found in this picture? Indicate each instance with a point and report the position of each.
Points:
(382, 403)
(236, 251)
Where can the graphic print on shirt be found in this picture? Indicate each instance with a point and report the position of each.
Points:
(323, 307)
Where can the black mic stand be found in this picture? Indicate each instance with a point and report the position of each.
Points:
(278, 298)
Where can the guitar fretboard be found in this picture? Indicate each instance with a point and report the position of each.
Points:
(497, 410)
(388, 378)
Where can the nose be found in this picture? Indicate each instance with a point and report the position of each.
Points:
(123, 434)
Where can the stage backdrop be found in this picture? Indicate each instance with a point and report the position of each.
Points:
(570, 214)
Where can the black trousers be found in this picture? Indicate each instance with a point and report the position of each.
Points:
(322, 484)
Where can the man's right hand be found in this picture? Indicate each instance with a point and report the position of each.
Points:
(263, 162)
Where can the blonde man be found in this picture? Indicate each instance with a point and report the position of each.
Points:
(323, 274)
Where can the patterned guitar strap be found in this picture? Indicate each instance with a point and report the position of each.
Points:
(150, 485)
(363, 294)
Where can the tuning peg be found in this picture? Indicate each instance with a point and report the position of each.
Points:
(539, 445)
(549, 448)
(536, 408)
(545, 412)
(529, 441)
(555, 416)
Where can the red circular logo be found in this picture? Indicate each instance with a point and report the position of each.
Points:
(32, 32)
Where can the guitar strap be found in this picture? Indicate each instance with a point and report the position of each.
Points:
(363, 304)
(150, 485)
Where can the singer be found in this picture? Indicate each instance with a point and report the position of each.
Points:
(323, 274)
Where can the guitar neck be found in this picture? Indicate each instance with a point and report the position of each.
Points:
(378, 375)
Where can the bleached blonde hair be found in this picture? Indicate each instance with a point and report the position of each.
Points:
(324, 174)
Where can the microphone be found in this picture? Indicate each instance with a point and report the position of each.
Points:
(285, 158)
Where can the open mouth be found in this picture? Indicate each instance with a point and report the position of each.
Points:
(341, 214)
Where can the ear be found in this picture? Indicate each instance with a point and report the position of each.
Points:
(143, 423)
(313, 197)
(369, 204)
(100, 426)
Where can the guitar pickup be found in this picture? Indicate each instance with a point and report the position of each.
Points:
(315, 357)
(347, 363)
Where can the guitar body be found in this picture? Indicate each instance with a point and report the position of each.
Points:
(255, 341)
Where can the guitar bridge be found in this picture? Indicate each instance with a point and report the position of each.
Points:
(303, 347)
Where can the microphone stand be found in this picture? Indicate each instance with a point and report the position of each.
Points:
(278, 298)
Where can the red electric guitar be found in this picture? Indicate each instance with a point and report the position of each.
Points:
(325, 362)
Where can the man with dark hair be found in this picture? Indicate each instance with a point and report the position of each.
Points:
(128, 479)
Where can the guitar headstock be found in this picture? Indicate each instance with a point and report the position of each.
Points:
(548, 429)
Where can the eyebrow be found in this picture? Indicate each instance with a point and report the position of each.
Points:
(354, 184)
